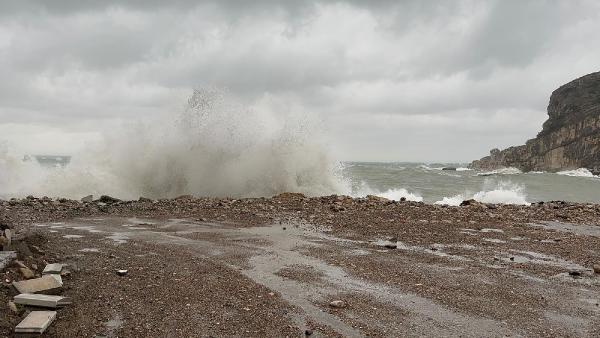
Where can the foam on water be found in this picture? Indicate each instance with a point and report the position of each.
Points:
(214, 147)
(502, 193)
(394, 194)
(581, 172)
(501, 171)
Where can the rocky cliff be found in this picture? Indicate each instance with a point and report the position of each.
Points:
(569, 139)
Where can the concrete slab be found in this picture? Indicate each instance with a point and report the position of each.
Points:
(47, 283)
(41, 300)
(53, 268)
(6, 257)
(36, 322)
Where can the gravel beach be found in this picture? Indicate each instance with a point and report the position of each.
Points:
(296, 266)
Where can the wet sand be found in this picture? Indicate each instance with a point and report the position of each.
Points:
(271, 267)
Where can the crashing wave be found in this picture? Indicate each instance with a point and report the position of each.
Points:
(395, 194)
(503, 193)
(581, 172)
(501, 171)
(215, 147)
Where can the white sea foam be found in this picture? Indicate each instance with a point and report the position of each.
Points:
(215, 147)
(397, 194)
(463, 169)
(502, 193)
(394, 194)
(501, 171)
(581, 172)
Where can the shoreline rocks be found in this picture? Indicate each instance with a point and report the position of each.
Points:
(570, 138)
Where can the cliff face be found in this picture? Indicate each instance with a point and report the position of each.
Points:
(569, 139)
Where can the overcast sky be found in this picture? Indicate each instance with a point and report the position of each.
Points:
(392, 80)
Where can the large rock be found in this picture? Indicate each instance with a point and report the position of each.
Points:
(569, 139)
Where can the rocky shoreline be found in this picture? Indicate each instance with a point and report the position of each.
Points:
(569, 139)
(215, 246)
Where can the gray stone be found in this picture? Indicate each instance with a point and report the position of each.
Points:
(41, 300)
(6, 257)
(36, 322)
(53, 268)
(88, 199)
(46, 283)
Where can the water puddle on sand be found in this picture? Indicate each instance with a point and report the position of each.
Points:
(435, 249)
(578, 229)
(119, 237)
(541, 259)
(113, 325)
(282, 253)
(89, 250)
(73, 236)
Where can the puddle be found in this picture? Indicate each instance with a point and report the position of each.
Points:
(72, 236)
(113, 325)
(494, 240)
(41, 225)
(542, 259)
(419, 249)
(118, 237)
(89, 250)
(57, 226)
(491, 230)
(585, 230)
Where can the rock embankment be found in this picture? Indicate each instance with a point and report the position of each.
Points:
(569, 139)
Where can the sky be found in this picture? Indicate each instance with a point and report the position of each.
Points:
(389, 80)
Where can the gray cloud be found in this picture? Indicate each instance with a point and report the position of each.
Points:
(413, 79)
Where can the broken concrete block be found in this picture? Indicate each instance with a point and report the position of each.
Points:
(41, 300)
(6, 257)
(46, 283)
(53, 268)
(27, 273)
(36, 322)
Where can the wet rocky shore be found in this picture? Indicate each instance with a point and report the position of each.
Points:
(275, 266)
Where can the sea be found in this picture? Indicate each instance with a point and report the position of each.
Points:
(451, 183)
(217, 147)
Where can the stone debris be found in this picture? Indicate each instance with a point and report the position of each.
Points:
(27, 273)
(53, 268)
(46, 283)
(596, 268)
(6, 257)
(122, 272)
(41, 300)
(36, 322)
(88, 199)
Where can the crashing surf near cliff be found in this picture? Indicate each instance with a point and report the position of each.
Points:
(214, 147)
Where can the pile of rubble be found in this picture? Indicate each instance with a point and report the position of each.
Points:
(37, 294)
(41, 292)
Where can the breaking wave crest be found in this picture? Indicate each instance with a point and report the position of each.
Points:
(394, 194)
(215, 147)
(502, 193)
(501, 171)
(581, 172)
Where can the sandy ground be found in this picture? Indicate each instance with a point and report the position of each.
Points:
(271, 267)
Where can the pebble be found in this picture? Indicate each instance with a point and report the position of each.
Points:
(337, 304)
(122, 272)
(597, 268)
